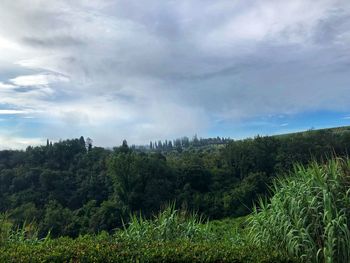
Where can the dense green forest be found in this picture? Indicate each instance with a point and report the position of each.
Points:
(305, 220)
(69, 188)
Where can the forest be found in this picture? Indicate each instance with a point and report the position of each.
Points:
(194, 196)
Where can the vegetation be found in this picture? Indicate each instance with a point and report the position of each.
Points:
(72, 202)
(71, 188)
(168, 225)
(308, 216)
(171, 236)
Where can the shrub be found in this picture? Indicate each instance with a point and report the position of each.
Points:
(10, 233)
(168, 225)
(308, 215)
(5, 228)
(102, 249)
(172, 236)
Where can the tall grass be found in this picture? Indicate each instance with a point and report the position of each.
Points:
(5, 228)
(169, 225)
(25, 233)
(308, 215)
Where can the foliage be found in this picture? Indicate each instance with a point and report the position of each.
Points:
(308, 216)
(27, 233)
(73, 188)
(168, 225)
(97, 249)
(170, 237)
(5, 228)
(230, 230)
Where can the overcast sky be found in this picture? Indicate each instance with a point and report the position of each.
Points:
(156, 69)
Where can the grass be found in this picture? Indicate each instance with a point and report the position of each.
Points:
(168, 225)
(307, 217)
(26, 233)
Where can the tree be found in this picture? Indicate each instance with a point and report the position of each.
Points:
(195, 140)
(56, 220)
(122, 173)
(124, 148)
(89, 143)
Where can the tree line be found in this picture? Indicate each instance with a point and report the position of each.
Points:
(71, 188)
(182, 143)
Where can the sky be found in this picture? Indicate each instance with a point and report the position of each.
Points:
(161, 69)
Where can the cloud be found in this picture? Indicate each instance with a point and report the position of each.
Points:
(38, 80)
(11, 112)
(12, 142)
(136, 70)
(52, 42)
(6, 86)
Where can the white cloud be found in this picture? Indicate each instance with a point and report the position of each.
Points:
(286, 21)
(13, 142)
(12, 112)
(6, 86)
(7, 44)
(38, 80)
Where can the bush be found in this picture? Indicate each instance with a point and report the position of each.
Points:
(10, 233)
(5, 228)
(102, 249)
(168, 225)
(172, 236)
(307, 217)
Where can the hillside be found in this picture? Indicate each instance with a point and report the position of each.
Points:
(195, 143)
(305, 220)
(71, 190)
